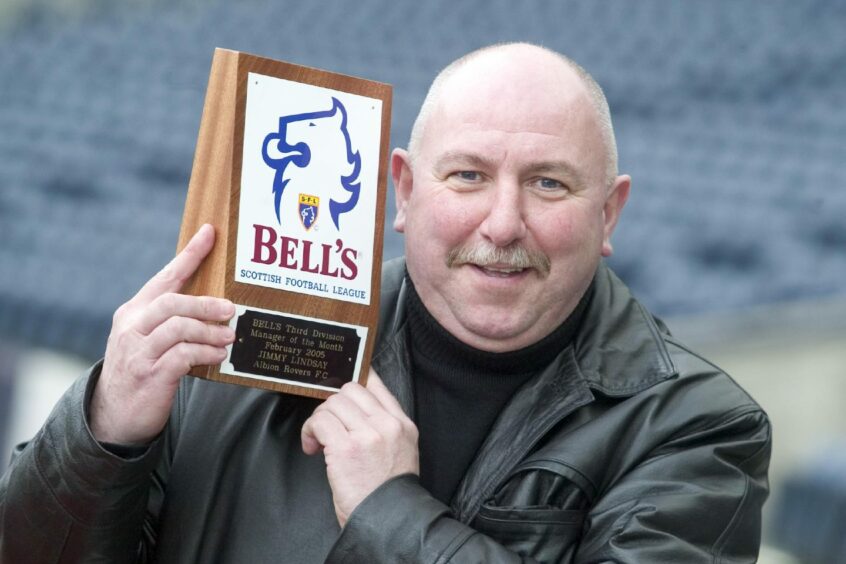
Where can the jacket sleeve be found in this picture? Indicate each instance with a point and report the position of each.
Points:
(65, 498)
(697, 498)
(402, 523)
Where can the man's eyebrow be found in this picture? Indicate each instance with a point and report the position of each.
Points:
(476, 161)
(461, 158)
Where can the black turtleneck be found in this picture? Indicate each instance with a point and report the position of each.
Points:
(459, 391)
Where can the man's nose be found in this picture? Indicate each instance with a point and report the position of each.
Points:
(505, 222)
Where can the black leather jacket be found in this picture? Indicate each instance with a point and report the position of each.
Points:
(627, 448)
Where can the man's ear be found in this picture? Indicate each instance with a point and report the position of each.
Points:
(614, 202)
(403, 184)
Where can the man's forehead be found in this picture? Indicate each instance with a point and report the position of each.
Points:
(516, 111)
(516, 69)
(515, 96)
(531, 91)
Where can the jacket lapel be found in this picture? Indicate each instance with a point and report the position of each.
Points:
(528, 417)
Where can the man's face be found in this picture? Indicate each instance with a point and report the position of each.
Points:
(511, 159)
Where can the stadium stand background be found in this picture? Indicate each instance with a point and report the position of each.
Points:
(729, 115)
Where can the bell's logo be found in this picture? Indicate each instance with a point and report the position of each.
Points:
(325, 165)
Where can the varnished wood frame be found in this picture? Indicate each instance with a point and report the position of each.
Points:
(214, 197)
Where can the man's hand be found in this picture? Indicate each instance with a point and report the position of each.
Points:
(156, 337)
(366, 439)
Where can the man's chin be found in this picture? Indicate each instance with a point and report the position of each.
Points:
(493, 332)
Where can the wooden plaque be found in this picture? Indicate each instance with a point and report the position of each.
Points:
(290, 168)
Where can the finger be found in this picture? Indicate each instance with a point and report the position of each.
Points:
(180, 358)
(362, 397)
(183, 329)
(384, 395)
(347, 410)
(320, 430)
(203, 308)
(173, 276)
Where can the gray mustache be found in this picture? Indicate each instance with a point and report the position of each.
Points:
(512, 256)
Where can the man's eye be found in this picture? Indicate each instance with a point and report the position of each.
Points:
(468, 175)
(550, 184)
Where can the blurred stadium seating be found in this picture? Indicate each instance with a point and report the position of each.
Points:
(810, 517)
(729, 115)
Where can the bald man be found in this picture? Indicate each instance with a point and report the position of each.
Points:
(531, 410)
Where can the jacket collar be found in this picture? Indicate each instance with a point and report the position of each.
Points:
(619, 348)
